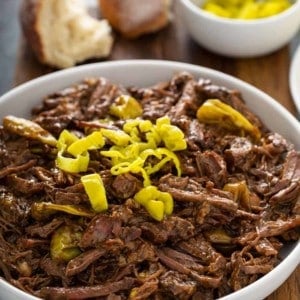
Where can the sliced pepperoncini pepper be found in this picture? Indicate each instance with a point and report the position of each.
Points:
(41, 210)
(135, 166)
(28, 129)
(64, 243)
(93, 141)
(171, 135)
(68, 143)
(126, 107)
(118, 137)
(218, 236)
(240, 192)
(214, 111)
(134, 157)
(66, 138)
(241, 9)
(157, 203)
(95, 190)
(73, 165)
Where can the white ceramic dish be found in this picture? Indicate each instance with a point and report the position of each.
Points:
(240, 38)
(295, 79)
(20, 100)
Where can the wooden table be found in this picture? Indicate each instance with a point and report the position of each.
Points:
(269, 73)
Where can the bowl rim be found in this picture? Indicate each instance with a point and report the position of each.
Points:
(294, 76)
(249, 22)
(260, 288)
(156, 63)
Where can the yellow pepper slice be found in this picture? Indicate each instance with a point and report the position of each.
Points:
(126, 107)
(157, 203)
(168, 202)
(240, 192)
(95, 190)
(70, 164)
(172, 156)
(214, 111)
(156, 209)
(145, 125)
(28, 129)
(64, 243)
(217, 9)
(78, 148)
(93, 141)
(271, 8)
(171, 135)
(134, 167)
(118, 137)
(131, 128)
(219, 236)
(153, 169)
(66, 138)
(73, 165)
(40, 210)
(126, 166)
(134, 156)
(246, 9)
(114, 154)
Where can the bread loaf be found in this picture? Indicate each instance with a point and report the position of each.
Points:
(133, 18)
(62, 33)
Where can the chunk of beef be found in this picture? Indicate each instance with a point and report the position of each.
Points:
(101, 228)
(44, 231)
(172, 228)
(206, 281)
(54, 268)
(25, 185)
(287, 189)
(88, 291)
(200, 197)
(184, 259)
(178, 285)
(102, 98)
(81, 262)
(239, 155)
(213, 166)
(187, 104)
(125, 186)
(145, 290)
(140, 251)
(198, 137)
(16, 169)
(14, 210)
(199, 247)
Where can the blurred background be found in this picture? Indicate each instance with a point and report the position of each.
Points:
(9, 37)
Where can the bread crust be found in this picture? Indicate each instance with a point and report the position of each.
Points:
(132, 18)
(73, 38)
(28, 15)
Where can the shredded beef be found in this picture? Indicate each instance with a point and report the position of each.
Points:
(216, 240)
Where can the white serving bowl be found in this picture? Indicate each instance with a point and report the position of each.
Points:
(240, 38)
(20, 100)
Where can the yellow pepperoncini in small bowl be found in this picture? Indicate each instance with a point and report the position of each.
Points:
(246, 9)
(241, 28)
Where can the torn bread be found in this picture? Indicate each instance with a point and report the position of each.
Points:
(133, 18)
(62, 33)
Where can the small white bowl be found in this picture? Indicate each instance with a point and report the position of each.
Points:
(294, 79)
(240, 38)
(20, 100)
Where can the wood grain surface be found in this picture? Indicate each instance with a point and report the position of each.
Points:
(268, 73)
